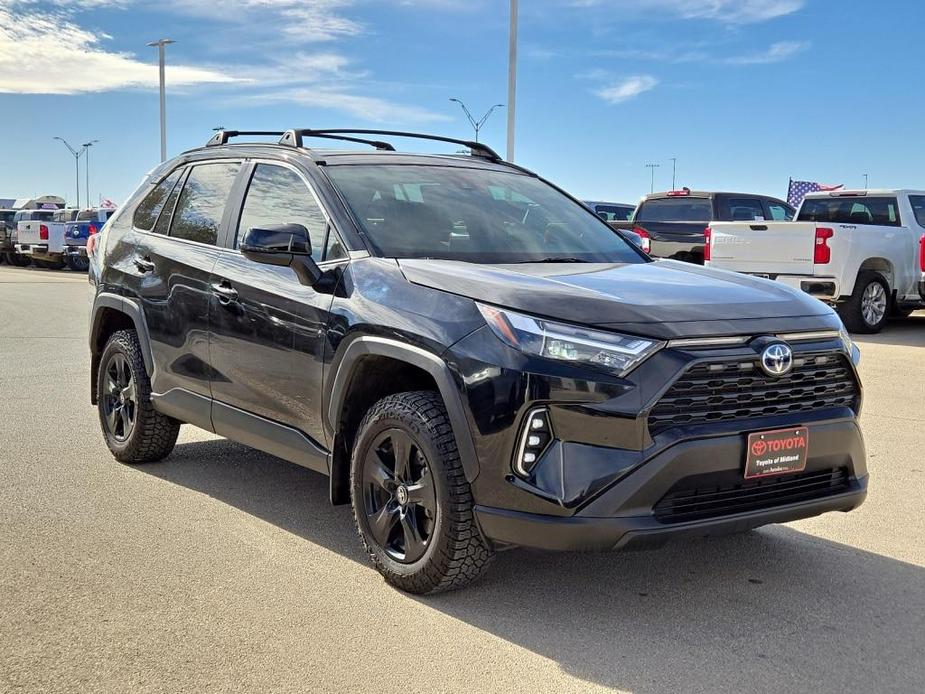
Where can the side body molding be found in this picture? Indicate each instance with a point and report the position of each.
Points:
(421, 358)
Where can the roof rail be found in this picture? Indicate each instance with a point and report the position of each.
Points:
(293, 138)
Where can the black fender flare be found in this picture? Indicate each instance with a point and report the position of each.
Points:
(130, 308)
(360, 347)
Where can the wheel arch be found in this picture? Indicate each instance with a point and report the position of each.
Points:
(880, 265)
(371, 368)
(112, 313)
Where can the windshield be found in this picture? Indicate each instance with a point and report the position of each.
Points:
(614, 213)
(475, 215)
(7, 215)
(680, 209)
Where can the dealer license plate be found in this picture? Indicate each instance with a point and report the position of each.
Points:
(778, 452)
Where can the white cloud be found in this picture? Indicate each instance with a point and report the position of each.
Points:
(364, 107)
(727, 11)
(627, 89)
(46, 53)
(776, 53)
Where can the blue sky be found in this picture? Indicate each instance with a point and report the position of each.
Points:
(745, 93)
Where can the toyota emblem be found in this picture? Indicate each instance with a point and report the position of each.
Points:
(777, 359)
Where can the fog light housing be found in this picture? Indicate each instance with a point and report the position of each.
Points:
(534, 439)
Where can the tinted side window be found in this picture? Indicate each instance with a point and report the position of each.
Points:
(779, 211)
(278, 195)
(202, 202)
(147, 212)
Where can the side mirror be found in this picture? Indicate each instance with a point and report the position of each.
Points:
(284, 245)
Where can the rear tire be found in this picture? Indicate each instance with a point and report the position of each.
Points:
(18, 260)
(78, 263)
(412, 504)
(867, 310)
(134, 431)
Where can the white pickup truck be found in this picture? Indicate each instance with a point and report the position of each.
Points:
(42, 238)
(862, 251)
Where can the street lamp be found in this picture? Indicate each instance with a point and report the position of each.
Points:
(511, 80)
(76, 154)
(477, 124)
(653, 167)
(86, 148)
(674, 173)
(160, 43)
(866, 181)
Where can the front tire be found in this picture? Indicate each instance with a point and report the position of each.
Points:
(135, 432)
(411, 501)
(868, 308)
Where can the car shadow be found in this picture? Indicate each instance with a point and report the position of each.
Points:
(908, 332)
(771, 610)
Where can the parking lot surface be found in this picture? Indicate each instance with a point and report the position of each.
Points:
(225, 569)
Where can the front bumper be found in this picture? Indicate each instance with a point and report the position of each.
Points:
(624, 515)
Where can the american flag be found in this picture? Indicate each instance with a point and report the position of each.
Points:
(799, 189)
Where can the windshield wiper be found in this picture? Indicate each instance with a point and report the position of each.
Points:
(554, 260)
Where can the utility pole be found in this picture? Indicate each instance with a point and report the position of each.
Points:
(86, 148)
(161, 43)
(674, 173)
(512, 81)
(76, 155)
(653, 167)
(476, 124)
(866, 181)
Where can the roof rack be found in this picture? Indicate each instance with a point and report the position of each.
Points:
(294, 138)
(222, 136)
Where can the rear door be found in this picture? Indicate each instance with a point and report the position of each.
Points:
(170, 268)
(267, 329)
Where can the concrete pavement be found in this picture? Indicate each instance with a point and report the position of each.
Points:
(224, 569)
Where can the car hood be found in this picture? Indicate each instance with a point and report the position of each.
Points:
(663, 299)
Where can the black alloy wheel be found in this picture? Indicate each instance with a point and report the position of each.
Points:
(399, 497)
(120, 397)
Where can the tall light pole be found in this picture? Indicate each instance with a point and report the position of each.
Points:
(674, 172)
(160, 43)
(476, 124)
(866, 181)
(512, 81)
(76, 154)
(86, 148)
(653, 167)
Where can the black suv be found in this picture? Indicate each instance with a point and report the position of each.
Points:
(473, 357)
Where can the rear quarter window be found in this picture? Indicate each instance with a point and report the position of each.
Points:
(918, 208)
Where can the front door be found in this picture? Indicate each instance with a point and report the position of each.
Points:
(267, 330)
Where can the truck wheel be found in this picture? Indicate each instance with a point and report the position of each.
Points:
(18, 260)
(135, 432)
(412, 504)
(78, 263)
(868, 307)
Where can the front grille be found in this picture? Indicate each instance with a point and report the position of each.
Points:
(733, 390)
(718, 494)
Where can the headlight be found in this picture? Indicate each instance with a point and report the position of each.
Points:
(612, 352)
(850, 347)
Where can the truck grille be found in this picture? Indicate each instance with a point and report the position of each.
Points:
(733, 390)
(715, 495)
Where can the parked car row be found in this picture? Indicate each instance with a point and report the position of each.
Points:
(49, 238)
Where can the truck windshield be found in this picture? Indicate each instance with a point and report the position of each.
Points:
(851, 210)
(679, 209)
(475, 215)
(7, 215)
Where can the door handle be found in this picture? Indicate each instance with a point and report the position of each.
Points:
(225, 293)
(143, 264)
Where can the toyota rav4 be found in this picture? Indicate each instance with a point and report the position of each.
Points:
(472, 356)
